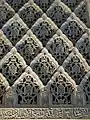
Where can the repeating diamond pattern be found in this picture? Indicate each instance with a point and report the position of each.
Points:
(45, 52)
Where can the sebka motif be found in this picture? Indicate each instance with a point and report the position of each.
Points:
(44, 53)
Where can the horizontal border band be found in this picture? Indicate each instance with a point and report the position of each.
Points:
(44, 113)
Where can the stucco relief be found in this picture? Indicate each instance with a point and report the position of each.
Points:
(45, 58)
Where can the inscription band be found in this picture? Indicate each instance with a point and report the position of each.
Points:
(44, 113)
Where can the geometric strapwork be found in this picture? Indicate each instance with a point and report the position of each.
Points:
(61, 88)
(59, 46)
(76, 66)
(27, 89)
(83, 46)
(12, 66)
(29, 47)
(85, 85)
(44, 65)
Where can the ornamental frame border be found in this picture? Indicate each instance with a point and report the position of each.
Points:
(45, 113)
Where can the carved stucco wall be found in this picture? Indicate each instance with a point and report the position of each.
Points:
(44, 53)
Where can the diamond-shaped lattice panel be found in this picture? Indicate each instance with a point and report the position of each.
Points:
(44, 29)
(73, 28)
(14, 29)
(44, 65)
(29, 13)
(6, 12)
(75, 66)
(16, 4)
(44, 53)
(59, 13)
